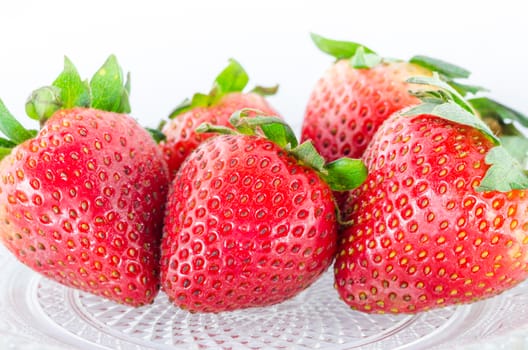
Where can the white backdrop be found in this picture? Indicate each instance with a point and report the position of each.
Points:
(175, 48)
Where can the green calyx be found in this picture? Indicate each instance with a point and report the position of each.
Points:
(507, 159)
(448, 72)
(108, 90)
(341, 175)
(14, 132)
(360, 56)
(233, 78)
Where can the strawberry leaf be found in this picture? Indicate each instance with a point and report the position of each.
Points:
(345, 174)
(156, 134)
(445, 68)
(464, 89)
(338, 49)
(308, 155)
(5, 147)
(219, 129)
(4, 151)
(5, 143)
(452, 111)
(505, 173)
(183, 107)
(517, 147)
(495, 110)
(437, 82)
(73, 91)
(124, 107)
(363, 60)
(232, 79)
(11, 128)
(108, 89)
(265, 90)
(275, 129)
(280, 133)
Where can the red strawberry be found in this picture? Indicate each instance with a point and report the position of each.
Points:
(440, 219)
(225, 98)
(82, 202)
(358, 92)
(247, 224)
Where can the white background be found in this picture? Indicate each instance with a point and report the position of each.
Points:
(175, 48)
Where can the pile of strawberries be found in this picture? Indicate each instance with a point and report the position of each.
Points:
(416, 194)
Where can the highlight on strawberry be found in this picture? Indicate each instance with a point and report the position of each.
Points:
(250, 218)
(441, 218)
(82, 199)
(227, 96)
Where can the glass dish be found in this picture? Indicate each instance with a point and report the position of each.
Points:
(36, 313)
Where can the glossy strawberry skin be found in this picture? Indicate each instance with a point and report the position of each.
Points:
(422, 237)
(348, 105)
(181, 138)
(83, 203)
(246, 226)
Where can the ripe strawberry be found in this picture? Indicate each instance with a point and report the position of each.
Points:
(358, 92)
(248, 223)
(440, 219)
(225, 98)
(82, 201)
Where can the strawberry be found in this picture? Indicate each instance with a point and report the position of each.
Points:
(441, 218)
(224, 99)
(250, 221)
(82, 200)
(359, 91)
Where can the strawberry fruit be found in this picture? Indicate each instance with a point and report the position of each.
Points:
(359, 91)
(225, 97)
(82, 200)
(441, 218)
(249, 220)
